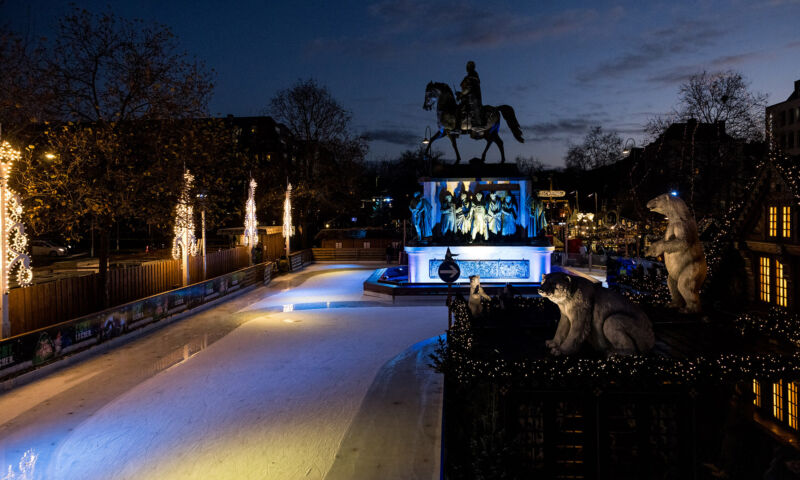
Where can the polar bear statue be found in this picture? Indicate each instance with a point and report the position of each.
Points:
(683, 253)
(595, 315)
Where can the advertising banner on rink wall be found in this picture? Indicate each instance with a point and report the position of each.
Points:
(42, 346)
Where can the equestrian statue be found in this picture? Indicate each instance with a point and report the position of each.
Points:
(469, 116)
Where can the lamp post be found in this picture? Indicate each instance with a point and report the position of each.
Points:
(202, 198)
(13, 241)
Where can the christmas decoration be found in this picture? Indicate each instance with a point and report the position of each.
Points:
(250, 222)
(184, 243)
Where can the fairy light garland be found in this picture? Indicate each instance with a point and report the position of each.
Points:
(461, 358)
(15, 241)
(287, 212)
(185, 241)
(250, 221)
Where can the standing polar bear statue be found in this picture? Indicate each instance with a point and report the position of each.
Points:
(683, 253)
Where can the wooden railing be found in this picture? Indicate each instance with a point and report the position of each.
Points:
(45, 304)
(349, 254)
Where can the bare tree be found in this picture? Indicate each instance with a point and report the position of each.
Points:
(324, 175)
(530, 165)
(22, 95)
(712, 97)
(597, 149)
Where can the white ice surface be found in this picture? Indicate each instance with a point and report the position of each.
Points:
(272, 399)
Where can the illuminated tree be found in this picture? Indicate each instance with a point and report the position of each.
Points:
(115, 150)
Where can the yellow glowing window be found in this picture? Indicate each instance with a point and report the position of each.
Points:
(756, 393)
(787, 221)
(781, 297)
(773, 221)
(764, 278)
(777, 400)
(793, 405)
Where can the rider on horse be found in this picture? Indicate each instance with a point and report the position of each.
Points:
(470, 96)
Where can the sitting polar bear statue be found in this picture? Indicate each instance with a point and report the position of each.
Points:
(683, 253)
(589, 312)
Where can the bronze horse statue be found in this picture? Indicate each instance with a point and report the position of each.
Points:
(448, 117)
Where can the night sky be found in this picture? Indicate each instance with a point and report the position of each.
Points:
(562, 67)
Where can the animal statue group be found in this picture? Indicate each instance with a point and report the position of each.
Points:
(470, 116)
(591, 314)
(683, 253)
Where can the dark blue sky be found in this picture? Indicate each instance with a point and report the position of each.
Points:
(563, 66)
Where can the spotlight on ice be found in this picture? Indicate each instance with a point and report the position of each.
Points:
(674, 193)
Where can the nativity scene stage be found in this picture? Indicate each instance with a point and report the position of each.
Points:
(490, 220)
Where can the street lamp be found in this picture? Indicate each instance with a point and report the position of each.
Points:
(427, 139)
(626, 150)
(201, 197)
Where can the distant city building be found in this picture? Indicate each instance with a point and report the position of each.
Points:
(786, 122)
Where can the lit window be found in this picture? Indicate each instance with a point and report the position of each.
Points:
(756, 393)
(773, 221)
(780, 285)
(792, 405)
(787, 221)
(777, 400)
(764, 275)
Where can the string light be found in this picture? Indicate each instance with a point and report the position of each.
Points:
(15, 241)
(287, 213)
(185, 242)
(468, 356)
(250, 222)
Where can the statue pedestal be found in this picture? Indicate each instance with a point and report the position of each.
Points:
(495, 264)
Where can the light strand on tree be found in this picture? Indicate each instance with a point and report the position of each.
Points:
(185, 240)
(287, 212)
(15, 241)
(250, 221)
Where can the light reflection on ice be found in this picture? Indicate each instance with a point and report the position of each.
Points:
(27, 465)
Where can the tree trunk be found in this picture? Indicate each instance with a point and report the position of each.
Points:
(102, 258)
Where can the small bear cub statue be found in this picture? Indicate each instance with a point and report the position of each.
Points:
(590, 313)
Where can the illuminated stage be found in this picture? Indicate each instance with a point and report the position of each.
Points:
(490, 218)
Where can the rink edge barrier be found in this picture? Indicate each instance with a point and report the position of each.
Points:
(28, 353)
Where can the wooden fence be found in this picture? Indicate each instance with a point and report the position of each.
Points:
(349, 254)
(45, 304)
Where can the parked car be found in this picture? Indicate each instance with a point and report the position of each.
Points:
(45, 247)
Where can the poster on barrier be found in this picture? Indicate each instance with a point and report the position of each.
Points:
(44, 346)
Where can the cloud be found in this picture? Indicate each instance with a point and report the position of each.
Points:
(397, 137)
(448, 25)
(563, 126)
(659, 45)
(683, 73)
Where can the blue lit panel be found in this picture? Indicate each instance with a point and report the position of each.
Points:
(487, 269)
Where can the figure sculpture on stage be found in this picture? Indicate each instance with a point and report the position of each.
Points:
(448, 219)
(464, 215)
(537, 220)
(479, 226)
(493, 219)
(508, 213)
(421, 216)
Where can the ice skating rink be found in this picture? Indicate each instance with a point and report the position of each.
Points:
(279, 390)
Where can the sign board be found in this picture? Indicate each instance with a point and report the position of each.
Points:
(449, 271)
(552, 193)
